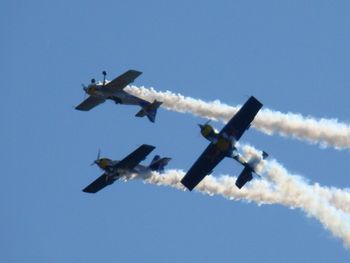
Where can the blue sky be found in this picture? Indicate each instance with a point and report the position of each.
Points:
(292, 55)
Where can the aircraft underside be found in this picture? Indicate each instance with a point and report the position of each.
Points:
(121, 97)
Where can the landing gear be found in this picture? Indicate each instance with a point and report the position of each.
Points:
(116, 100)
(233, 154)
(104, 73)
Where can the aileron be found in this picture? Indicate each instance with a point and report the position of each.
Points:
(90, 103)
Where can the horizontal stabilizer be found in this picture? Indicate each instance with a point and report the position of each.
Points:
(244, 177)
(265, 155)
(141, 113)
(158, 163)
(149, 110)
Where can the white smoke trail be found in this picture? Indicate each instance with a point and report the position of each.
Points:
(285, 191)
(283, 188)
(325, 132)
(325, 204)
(298, 193)
(314, 200)
(288, 193)
(340, 198)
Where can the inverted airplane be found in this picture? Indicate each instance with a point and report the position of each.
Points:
(113, 170)
(222, 144)
(114, 90)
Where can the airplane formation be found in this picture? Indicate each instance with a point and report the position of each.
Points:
(222, 144)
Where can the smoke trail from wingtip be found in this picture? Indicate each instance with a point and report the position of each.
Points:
(282, 187)
(325, 132)
(339, 198)
(299, 193)
(284, 190)
(313, 199)
(325, 204)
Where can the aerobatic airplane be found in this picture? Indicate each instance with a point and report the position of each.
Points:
(114, 90)
(113, 170)
(222, 144)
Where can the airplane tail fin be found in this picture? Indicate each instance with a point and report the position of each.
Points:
(149, 110)
(264, 155)
(245, 176)
(158, 163)
(249, 168)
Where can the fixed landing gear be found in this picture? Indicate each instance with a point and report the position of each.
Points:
(104, 73)
(116, 100)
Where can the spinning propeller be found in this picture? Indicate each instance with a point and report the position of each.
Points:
(97, 159)
(202, 125)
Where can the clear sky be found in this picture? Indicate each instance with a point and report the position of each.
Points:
(292, 55)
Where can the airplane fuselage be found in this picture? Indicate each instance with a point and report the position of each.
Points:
(114, 174)
(118, 96)
(113, 90)
(223, 142)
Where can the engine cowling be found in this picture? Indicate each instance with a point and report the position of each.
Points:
(104, 163)
(90, 90)
(208, 132)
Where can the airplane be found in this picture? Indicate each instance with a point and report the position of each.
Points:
(113, 170)
(114, 90)
(222, 144)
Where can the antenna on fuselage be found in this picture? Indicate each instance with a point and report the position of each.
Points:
(104, 73)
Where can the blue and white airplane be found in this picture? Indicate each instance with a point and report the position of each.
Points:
(223, 144)
(114, 90)
(113, 170)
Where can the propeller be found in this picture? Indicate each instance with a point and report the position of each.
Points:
(85, 89)
(202, 125)
(97, 159)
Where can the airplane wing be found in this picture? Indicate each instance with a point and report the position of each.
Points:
(90, 103)
(204, 165)
(241, 121)
(97, 185)
(129, 162)
(134, 158)
(123, 80)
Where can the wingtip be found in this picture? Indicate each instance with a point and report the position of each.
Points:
(149, 146)
(186, 185)
(238, 185)
(135, 72)
(79, 109)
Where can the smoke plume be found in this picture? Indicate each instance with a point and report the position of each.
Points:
(325, 132)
